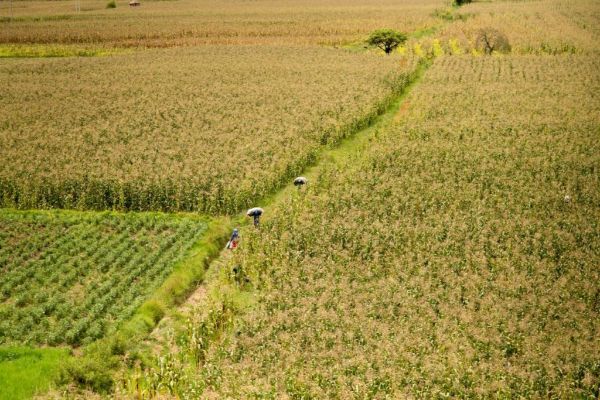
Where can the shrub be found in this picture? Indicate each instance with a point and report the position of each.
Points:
(88, 372)
(386, 39)
(111, 4)
(490, 40)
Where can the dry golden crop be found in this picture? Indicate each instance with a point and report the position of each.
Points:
(209, 129)
(455, 255)
(188, 22)
(548, 27)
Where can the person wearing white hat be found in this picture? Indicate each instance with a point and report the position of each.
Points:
(255, 213)
(300, 181)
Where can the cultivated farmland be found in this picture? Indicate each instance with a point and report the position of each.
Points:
(197, 22)
(446, 245)
(548, 27)
(72, 277)
(208, 129)
(459, 257)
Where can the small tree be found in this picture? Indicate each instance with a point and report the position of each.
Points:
(461, 2)
(386, 39)
(490, 40)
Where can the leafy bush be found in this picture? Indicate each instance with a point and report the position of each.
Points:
(386, 39)
(91, 373)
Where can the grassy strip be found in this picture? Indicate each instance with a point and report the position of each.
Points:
(93, 369)
(25, 371)
(186, 276)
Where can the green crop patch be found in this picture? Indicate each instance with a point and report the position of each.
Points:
(70, 278)
(43, 51)
(25, 371)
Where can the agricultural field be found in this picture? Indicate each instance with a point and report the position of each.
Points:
(209, 129)
(548, 27)
(197, 22)
(458, 259)
(447, 243)
(70, 278)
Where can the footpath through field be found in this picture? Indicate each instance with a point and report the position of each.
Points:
(209, 293)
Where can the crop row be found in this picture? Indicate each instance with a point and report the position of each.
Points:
(73, 278)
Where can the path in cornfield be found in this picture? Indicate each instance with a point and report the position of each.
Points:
(347, 148)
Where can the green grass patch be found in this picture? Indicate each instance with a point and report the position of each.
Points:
(421, 33)
(25, 371)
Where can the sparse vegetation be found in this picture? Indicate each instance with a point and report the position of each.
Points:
(490, 41)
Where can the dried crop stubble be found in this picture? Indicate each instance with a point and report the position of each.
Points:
(208, 129)
(444, 259)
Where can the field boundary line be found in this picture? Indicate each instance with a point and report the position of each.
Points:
(351, 142)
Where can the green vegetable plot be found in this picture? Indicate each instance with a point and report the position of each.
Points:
(69, 277)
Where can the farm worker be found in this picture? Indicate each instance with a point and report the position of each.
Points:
(233, 242)
(300, 181)
(255, 213)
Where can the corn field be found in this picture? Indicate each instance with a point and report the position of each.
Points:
(454, 255)
(543, 27)
(446, 245)
(199, 22)
(215, 130)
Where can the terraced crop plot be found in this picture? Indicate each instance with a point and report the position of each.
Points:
(208, 129)
(455, 255)
(72, 277)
